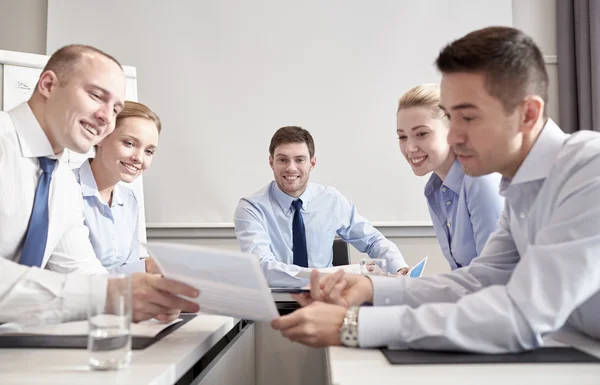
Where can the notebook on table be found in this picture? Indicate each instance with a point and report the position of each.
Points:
(562, 354)
(73, 335)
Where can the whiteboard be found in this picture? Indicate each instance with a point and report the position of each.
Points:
(18, 85)
(20, 72)
(225, 74)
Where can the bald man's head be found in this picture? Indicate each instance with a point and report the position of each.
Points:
(64, 61)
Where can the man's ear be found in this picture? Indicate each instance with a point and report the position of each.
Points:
(313, 162)
(47, 83)
(533, 110)
(271, 161)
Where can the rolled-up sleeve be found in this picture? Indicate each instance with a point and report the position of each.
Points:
(30, 295)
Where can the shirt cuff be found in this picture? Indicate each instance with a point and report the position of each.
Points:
(378, 327)
(388, 291)
(77, 293)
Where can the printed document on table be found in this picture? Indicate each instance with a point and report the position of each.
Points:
(351, 269)
(231, 283)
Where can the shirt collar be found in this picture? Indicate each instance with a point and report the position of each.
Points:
(32, 138)
(432, 184)
(117, 198)
(455, 177)
(89, 188)
(285, 201)
(453, 180)
(539, 161)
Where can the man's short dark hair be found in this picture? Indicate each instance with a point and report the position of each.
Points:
(292, 134)
(511, 62)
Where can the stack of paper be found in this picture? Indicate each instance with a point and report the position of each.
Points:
(414, 272)
(351, 269)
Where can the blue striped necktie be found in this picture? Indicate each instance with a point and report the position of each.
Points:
(37, 233)
(299, 236)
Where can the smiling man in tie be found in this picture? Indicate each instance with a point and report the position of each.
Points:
(74, 105)
(291, 223)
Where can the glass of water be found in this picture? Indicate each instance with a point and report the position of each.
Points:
(109, 338)
(373, 266)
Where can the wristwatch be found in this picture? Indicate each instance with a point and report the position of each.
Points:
(349, 330)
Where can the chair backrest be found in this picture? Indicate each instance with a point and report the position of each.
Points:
(341, 254)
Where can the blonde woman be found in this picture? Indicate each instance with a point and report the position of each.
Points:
(464, 209)
(110, 208)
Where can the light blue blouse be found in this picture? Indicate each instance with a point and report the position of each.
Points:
(464, 211)
(114, 229)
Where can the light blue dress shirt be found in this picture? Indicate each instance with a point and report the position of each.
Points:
(114, 229)
(464, 211)
(263, 226)
(538, 272)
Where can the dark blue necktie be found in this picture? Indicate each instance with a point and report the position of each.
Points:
(37, 233)
(299, 236)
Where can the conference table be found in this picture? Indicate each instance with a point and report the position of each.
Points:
(213, 349)
(347, 366)
(202, 351)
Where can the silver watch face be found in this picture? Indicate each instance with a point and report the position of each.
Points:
(349, 330)
(349, 337)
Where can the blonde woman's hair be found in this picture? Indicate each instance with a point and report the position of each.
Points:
(424, 95)
(138, 110)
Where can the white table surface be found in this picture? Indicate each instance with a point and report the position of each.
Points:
(348, 366)
(162, 363)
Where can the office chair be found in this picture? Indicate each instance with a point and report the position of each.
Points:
(341, 254)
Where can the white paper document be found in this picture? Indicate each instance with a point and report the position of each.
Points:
(149, 328)
(231, 283)
(351, 269)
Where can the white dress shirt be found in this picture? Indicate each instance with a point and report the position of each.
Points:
(68, 248)
(538, 272)
(30, 296)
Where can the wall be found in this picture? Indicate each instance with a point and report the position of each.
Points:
(23, 25)
(23, 28)
(224, 75)
(538, 19)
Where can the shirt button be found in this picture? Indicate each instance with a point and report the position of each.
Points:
(522, 215)
(448, 203)
(448, 224)
(444, 189)
(387, 301)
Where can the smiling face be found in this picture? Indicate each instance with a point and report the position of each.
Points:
(128, 151)
(292, 164)
(423, 142)
(81, 109)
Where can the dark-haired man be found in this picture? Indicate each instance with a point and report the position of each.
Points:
(538, 272)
